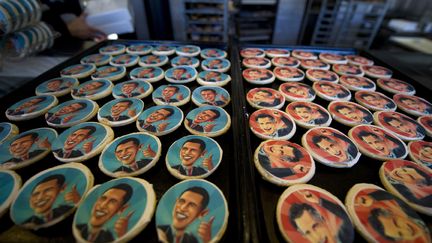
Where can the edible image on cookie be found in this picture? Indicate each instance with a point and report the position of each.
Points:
(96, 59)
(348, 69)
(357, 83)
(160, 120)
(277, 52)
(115, 211)
(216, 64)
(139, 49)
(188, 50)
(400, 125)
(421, 152)
(413, 105)
(124, 60)
(258, 76)
(181, 74)
(332, 58)
(120, 112)
(377, 71)
(426, 122)
(114, 49)
(315, 64)
(185, 61)
(330, 91)
(93, 89)
(289, 74)
(350, 113)
(285, 62)
(7, 131)
(31, 107)
(316, 75)
(163, 50)
(205, 95)
(71, 112)
(57, 86)
(51, 195)
(303, 55)
(375, 101)
(136, 88)
(153, 61)
(213, 52)
(308, 114)
(149, 74)
(212, 78)
(272, 124)
(176, 95)
(256, 62)
(252, 52)
(11, 183)
(377, 143)
(211, 121)
(306, 213)
(109, 72)
(206, 222)
(359, 60)
(265, 98)
(82, 142)
(297, 92)
(78, 70)
(396, 86)
(130, 155)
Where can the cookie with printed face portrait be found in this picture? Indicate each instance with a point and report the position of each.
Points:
(124, 60)
(139, 49)
(78, 71)
(188, 50)
(308, 114)
(211, 121)
(5, 20)
(377, 72)
(153, 61)
(289, 74)
(354, 83)
(350, 113)
(304, 55)
(163, 50)
(112, 50)
(136, 88)
(297, 92)
(285, 62)
(96, 59)
(333, 58)
(181, 74)
(256, 62)
(421, 153)
(71, 112)
(57, 86)
(413, 105)
(359, 60)
(176, 95)
(212, 78)
(31, 107)
(258, 76)
(149, 74)
(213, 52)
(316, 75)
(216, 64)
(348, 69)
(11, 183)
(272, 124)
(277, 52)
(185, 61)
(120, 112)
(109, 72)
(7, 131)
(265, 98)
(205, 95)
(93, 89)
(426, 122)
(252, 52)
(330, 91)
(160, 120)
(400, 125)
(375, 101)
(314, 64)
(396, 86)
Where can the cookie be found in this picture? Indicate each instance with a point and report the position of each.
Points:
(211, 78)
(213, 52)
(115, 49)
(258, 76)
(124, 60)
(153, 61)
(316, 75)
(136, 88)
(160, 120)
(6, 20)
(377, 71)
(181, 74)
(413, 105)
(57, 86)
(93, 89)
(130, 155)
(308, 114)
(7, 131)
(149, 74)
(176, 95)
(421, 152)
(139, 49)
(256, 62)
(82, 142)
(289, 74)
(96, 59)
(314, 64)
(272, 124)
(348, 69)
(120, 112)
(303, 55)
(354, 83)
(216, 64)
(185, 61)
(216, 96)
(11, 183)
(396, 86)
(31, 107)
(277, 52)
(400, 125)
(377, 143)
(252, 52)
(426, 122)
(375, 101)
(285, 62)
(71, 112)
(109, 72)
(133, 203)
(359, 60)
(297, 92)
(211, 121)
(265, 98)
(188, 50)
(193, 157)
(332, 58)
(331, 91)
(78, 71)
(163, 50)
(349, 113)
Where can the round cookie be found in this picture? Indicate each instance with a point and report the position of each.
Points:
(304, 55)
(211, 78)
(348, 70)
(265, 98)
(426, 122)
(57, 86)
(120, 112)
(93, 89)
(71, 112)
(163, 50)
(306, 213)
(379, 216)
(332, 58)
(160, 120)
(211, 121)
(149, 74)
(297, 92)
(285, 62)
(308, 114)
(277, 52)
(283, 163)
(413, 105)
(82, 142)
(377, 72)
(349, 113)
(136, 88)
(359, 60)
(252, 52)
(109, 72)
(112, 50)
(316, 75)
(216, 64)
(375, 101)
(130, 155)
(6, 19)
(258, 76)
(139, 49)
(256, 62)
(215, 216)
(193, 157)
(272, 124)
(176, 95)
(188, 50)
(216, 96)
(396, 86)
(31, 107)
(377, 143)
(78, 71)
(289, 74)
(421, 152)
(181, 74)
(11, 183)
(138, 202)
(213, 52)
(7, 131)
(400, 125)
(314, 64)
(185, 61)
(124, 60)
(153, 61)
(331, 91)
(357, 83)
(96, 59)
(331, 147)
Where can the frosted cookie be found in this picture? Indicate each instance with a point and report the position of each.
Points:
(377, 71)
(26, 148)
(130, 155)
(149, 74)
(71, 112)
(316, 75)
(163, 50)
(285, 62)
(359, 60)
(375, 101)
(211, 78)
(265, 98)
(139, 49)
(207, 221)
(308, 114)
(109, 72)
(188, 50)
(120, 112)
(51, 195)
(213, 52)
(7, 131)
(181, 74)
(78, 71)
(332, 58)
(211, 121)
(331, 91)
(400, 125)
(176, 95)
(331, 147)
(185, 61)
(303, 55)
(272, 124)
(377, 143)
(297, 92)
(381, 217)
(216, 96)
(93, 89)
(289, 74)
(252, 52)
(357, 83)
(57, 86)
(421, 152)
(349, 113)
(160, 120)
(216, 64)
(11, 183)
(153, 61)
(136, 88)
(256, 62)
(413, 105)
(193, 157)
(314, 64)
(277, 52)
(396, 86)
(348, 69)
(306, 213)
(258, 76)
(96, 59)
(426, 122)
(122, 207)
(112, 50)
(124, 60)
(6, 20)
(82, 142)
(409, 182)
(31, 107)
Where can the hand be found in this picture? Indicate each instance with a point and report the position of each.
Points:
(121, 225)
(148, 152)
(180, 96)
(131, 113)
(207, 162)
(309, 196)
(67, 119)
(73, 196)
(88, 146)
(44, 144)
(209, 127)
(204, 230)
(80, 29)
(223, 98)
(162, 126)
(300, 169)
